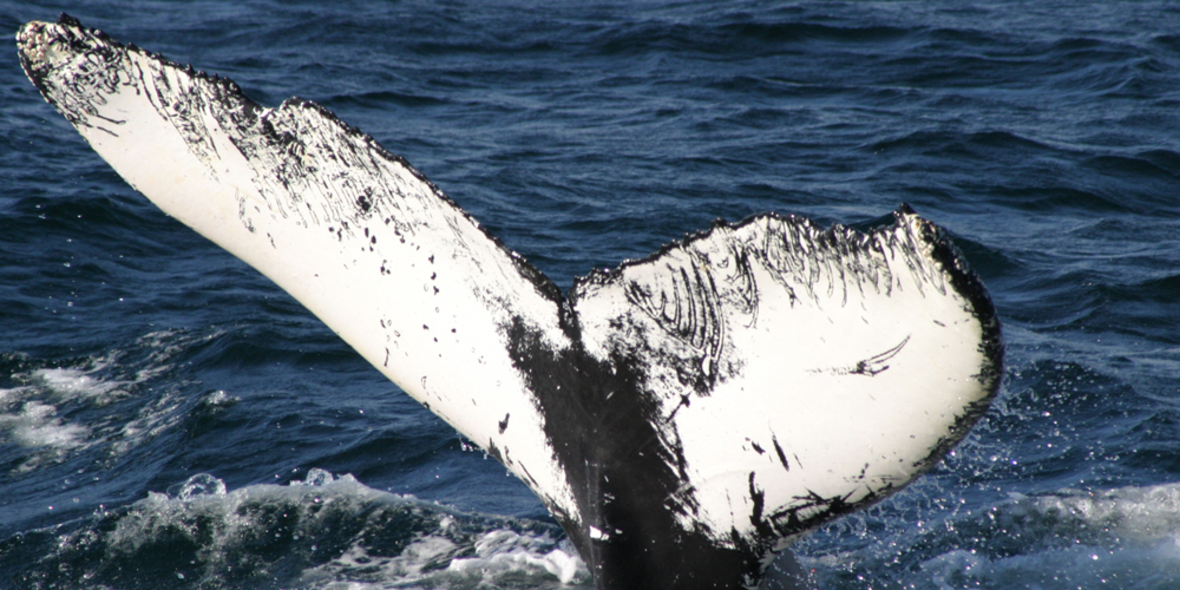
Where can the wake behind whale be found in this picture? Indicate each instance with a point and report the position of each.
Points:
(683, 416)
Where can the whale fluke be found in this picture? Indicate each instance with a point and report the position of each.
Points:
(683, 416)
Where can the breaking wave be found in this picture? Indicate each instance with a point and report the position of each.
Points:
(320, 532)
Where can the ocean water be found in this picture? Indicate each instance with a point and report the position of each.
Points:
(170, 419)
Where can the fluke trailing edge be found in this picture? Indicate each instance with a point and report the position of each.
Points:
(683, 416)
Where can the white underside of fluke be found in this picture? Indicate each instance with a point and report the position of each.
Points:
(834, 378)
(360, 239)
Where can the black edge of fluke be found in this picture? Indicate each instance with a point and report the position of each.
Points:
(69, 21)
(968, 284)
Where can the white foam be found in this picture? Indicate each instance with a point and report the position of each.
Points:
(31, 414)
(1130, 514)
(1079, 566)
(201, 484)
(36, 425)
(498, 552)
(319, 477)
(503, 550)
(43, 413)
(75, 383)
(343, 528)
(1127, 538)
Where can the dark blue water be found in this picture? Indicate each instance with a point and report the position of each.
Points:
(168, 418)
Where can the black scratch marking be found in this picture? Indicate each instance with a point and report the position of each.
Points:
(758, 499)
(869, 367)
(781, 455)
(504, 423)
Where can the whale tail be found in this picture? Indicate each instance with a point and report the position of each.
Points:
(683, 416)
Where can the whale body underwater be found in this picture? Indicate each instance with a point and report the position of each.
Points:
(684, 416)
